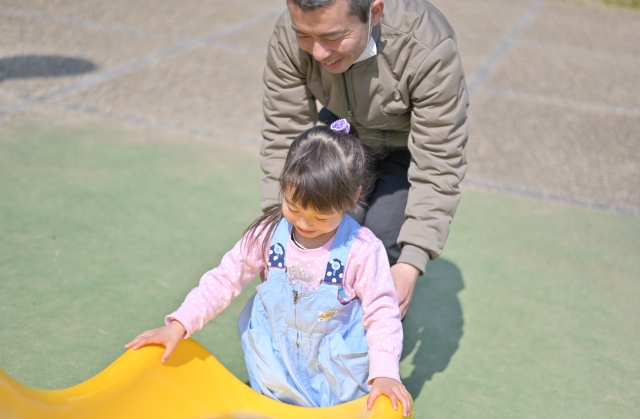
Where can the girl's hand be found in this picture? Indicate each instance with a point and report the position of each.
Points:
(169, 336)
(394, 390)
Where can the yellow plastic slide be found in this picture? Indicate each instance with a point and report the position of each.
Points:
(192, 384)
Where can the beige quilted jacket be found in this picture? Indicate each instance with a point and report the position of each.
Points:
(411, 95)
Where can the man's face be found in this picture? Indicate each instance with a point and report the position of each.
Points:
(334, 37)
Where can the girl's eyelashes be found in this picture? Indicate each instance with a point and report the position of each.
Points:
(321, 220)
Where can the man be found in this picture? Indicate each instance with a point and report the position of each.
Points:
(392, 69)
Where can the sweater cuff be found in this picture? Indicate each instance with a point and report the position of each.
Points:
(383, 364)
(175, 316)
(414, 256)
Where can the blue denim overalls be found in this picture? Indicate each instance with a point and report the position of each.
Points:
(306, 348)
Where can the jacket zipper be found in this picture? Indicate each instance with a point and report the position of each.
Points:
(346, 91)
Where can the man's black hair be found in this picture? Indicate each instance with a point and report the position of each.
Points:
(359, 8)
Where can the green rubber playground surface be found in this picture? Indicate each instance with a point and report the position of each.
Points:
(533, 310)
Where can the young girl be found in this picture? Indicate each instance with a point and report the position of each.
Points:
(324, 328)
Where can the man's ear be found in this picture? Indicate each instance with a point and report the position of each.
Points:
(377, 8)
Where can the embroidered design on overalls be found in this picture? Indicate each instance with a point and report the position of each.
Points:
(276, 255)
(323, 316)
(335, 271)
(293, 273)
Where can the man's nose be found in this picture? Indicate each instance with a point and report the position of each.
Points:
(320, 53)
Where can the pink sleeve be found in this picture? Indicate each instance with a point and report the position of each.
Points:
(218, 287)
(369, 276)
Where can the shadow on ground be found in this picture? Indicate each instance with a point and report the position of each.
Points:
(28, 66)
(433, 325)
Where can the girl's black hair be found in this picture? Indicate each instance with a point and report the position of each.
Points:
(323, 170)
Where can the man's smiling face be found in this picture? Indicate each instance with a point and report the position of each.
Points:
(331, 34)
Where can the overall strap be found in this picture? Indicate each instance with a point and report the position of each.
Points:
(346, 233)
(278, 246)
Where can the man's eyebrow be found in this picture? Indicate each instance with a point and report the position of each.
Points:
(332, 33)
(324, 35)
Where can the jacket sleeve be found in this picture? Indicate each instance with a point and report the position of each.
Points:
(288, 105)
(439, 132)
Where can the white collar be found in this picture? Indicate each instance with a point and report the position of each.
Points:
(370, 50)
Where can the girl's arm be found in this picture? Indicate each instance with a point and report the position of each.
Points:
(218, 287)
(213, 294)
(369, 276)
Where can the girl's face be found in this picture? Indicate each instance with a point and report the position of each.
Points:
(312, 228)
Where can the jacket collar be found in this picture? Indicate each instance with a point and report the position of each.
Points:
(371, 50)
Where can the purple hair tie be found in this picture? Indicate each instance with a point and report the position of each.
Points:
(341, 125)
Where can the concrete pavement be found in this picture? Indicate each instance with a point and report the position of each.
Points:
(555, 84)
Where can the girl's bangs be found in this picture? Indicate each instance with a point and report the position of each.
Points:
(317, 195)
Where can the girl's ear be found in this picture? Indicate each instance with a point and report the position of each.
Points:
(356, 196)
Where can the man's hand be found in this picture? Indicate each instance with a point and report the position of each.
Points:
(404, 278)
(394, 390)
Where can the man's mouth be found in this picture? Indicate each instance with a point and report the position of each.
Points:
(332, 63)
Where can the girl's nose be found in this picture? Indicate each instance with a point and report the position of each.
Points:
(304, 224)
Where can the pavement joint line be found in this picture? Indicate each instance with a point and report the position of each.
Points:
(551, 197)
(558, 101)
(10, 95)
(504, 47)
(123, 29)
(143, 120)
(593, 52)
(469, 182)
(90, 24)
(550, 46)
(135, 64)
(239, 48)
